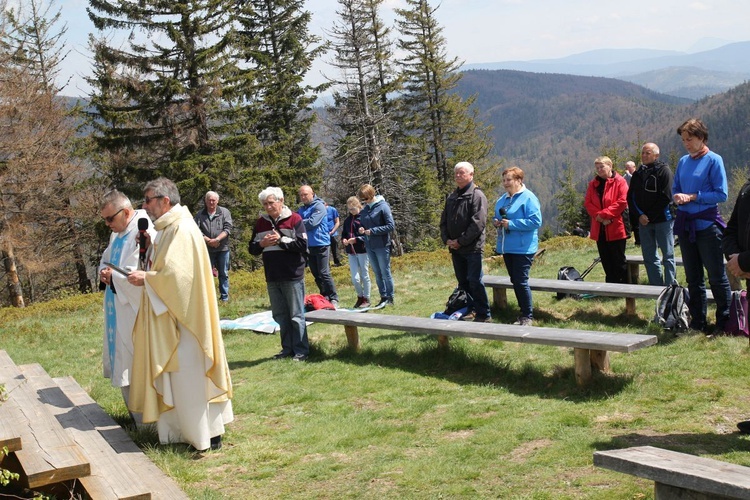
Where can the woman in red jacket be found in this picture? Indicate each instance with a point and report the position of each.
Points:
(606, 199)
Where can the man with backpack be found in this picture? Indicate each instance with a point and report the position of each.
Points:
(462, 227)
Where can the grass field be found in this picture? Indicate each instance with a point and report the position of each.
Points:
(403, 419)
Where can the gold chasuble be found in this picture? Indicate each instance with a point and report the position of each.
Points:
(179, 280)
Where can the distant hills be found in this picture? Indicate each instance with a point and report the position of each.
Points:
(680, 74)
(544, 122)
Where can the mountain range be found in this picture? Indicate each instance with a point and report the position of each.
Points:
(690, 75)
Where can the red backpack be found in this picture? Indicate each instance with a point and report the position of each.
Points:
(316, 301)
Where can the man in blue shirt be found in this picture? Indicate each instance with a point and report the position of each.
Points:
(313, 213)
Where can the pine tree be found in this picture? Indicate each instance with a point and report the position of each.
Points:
(570, 210)
(439, 128)
(274, 41)
(158, 100)
(361, 119)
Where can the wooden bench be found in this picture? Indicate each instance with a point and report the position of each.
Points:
(115, 467)
(48, 454)
(500, 285)
(679, 475)
(590, 348)
(635, 261)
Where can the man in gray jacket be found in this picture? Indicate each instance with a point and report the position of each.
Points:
(462, 230)
(215, 223)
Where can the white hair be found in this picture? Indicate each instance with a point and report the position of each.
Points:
(276, 192)
(464, 164)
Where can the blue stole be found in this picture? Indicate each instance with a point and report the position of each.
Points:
(110, 315)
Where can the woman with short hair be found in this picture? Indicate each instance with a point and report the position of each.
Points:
(377, 226)
(354, 244)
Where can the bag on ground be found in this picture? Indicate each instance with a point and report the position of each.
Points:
(315, 301)
(459, 299)
(738, 308)
(568, 273)
(672, 311)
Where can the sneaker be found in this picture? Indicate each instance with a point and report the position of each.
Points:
(300, 357)
(523, 321)
(365, 303)
(482, 319)
(282, 355)
(359, 302)
(383, 302)
(335, 304)
(389, 301)
(468, 316)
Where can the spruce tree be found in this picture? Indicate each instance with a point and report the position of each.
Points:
(274, 44)
(158, 100)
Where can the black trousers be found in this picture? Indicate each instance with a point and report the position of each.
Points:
(612, 254)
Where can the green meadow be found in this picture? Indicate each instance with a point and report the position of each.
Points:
(405, 419)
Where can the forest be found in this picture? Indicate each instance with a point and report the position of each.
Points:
(212, 95)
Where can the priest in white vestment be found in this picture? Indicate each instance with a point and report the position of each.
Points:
(121, 299)
(180, 376)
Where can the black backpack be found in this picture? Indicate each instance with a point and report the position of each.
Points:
(568, 273)
(672, 311)
(458, 300)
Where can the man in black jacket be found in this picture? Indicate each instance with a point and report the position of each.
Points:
(462, 230)
(649, 198)
(736, 246)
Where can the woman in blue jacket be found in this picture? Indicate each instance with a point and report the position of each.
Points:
(377, 226)
(518, 217)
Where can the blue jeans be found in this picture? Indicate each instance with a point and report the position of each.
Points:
(653, 235)
(220, 260)
(288, 310)
(359, 268)
(518, 266)
(706, 252)
(380, 260)
(468, 270)
(321, 271)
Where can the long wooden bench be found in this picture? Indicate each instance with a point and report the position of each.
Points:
(679, 475)
(590, 347)
(500, 285)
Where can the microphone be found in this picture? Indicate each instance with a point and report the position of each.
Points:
(142, 227)
(504, 215)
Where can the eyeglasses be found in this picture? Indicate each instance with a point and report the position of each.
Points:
(148, 199)
(112, 217)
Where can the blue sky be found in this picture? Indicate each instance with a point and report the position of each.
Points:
(500, 30)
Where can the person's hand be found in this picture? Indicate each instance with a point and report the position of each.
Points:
(214, 242)
(453, 244)
(270, 239)
(361, 230)
(682, 198)
(643, 219)
(733, 265)
(105, 275)
(137, 278)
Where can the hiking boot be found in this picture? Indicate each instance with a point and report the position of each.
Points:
(523, 321)
(365, 303)
(482, 319)
(359, 302)
(469, 316)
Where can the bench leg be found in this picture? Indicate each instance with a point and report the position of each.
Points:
(352, 337)
(630, 306)
(583, 366)
(443, 341)
(634, 273)
(600, 360)
(664, 491)
(500, 298)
